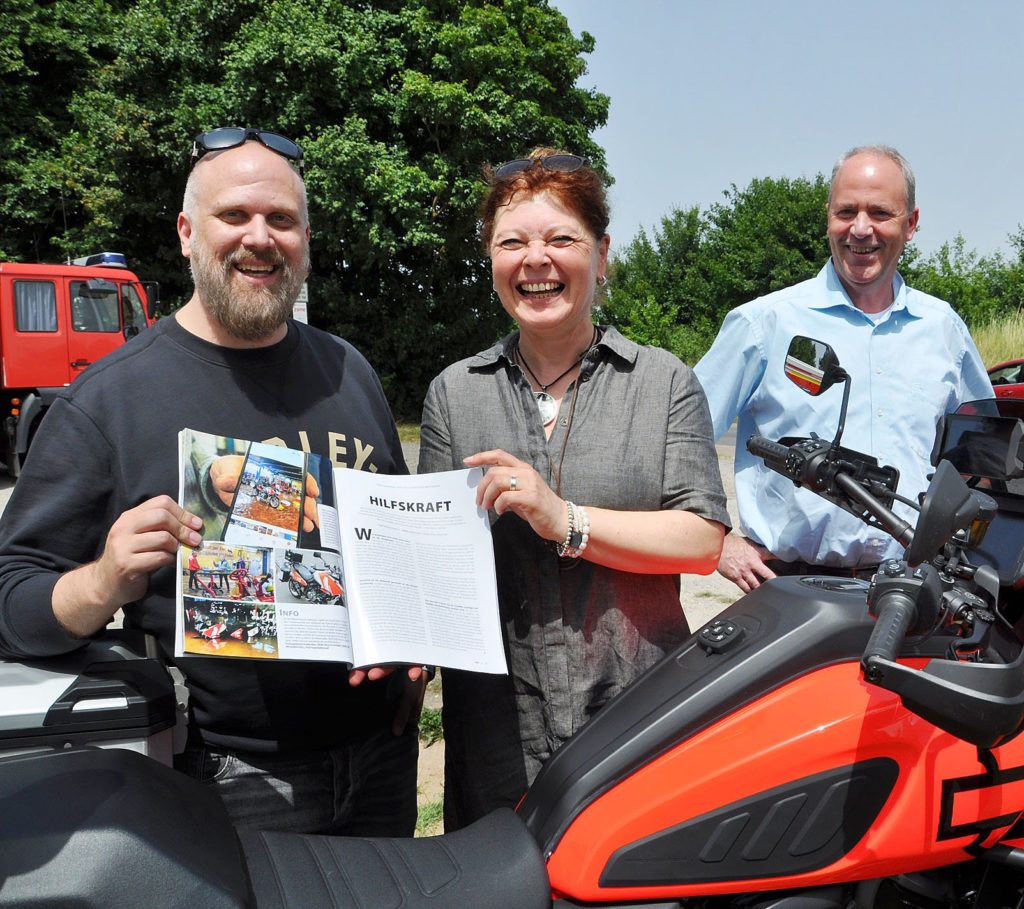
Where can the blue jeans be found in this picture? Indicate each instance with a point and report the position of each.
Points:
(366, 788)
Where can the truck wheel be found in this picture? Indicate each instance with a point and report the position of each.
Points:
(13, 464)
(12, 460)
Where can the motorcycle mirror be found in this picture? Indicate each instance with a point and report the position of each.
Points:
(812, 365)
(948, 506)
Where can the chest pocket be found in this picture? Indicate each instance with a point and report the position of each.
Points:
(928, 400)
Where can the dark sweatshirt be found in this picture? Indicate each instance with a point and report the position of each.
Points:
(110, 442)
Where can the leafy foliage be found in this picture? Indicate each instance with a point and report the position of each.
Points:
(47, 53)
(980, 288)
(675, 290)
(649, 295)
(431, 730)
(397, 103)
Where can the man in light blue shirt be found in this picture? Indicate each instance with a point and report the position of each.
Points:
(910, 358)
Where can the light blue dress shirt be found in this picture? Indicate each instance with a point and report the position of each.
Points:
(916, 364)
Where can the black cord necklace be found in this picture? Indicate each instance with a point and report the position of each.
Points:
(545, 402)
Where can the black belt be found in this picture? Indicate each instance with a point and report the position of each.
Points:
(788, 568)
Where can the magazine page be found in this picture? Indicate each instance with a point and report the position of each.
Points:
(420, 569)
(263, 584)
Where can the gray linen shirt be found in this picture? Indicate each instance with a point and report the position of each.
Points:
(577, 633)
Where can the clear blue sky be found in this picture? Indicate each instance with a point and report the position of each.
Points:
(706, 93)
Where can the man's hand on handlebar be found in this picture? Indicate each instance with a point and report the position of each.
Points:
(742, 562)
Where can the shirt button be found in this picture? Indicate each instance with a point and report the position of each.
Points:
(881, 413)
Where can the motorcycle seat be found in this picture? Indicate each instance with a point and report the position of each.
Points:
(112, 829)
(494, 862)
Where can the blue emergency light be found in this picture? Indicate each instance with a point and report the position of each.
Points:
(107, 259)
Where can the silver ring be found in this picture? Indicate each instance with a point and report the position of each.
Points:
(513, 483)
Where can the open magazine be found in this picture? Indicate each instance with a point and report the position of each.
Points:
(300, 561)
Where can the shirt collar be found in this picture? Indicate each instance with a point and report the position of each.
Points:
(611, 340)
(834, 294)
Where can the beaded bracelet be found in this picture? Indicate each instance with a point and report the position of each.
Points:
(563, 548)
(583, 524)
(577, 534)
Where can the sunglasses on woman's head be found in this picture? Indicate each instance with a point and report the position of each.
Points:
(565, 164)
(232, 136)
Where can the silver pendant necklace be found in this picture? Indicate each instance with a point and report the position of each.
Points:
(547, 407)
(546, 404)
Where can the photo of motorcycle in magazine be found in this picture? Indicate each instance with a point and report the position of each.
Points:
(315, 581)
(230, 594)
(302, 562)
(268, 497)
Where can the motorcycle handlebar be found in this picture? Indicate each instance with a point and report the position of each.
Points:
(896, 611)
(844, 477)
(804, 461)
(774, 452)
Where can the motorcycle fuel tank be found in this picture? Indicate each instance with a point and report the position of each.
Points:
(755, 757)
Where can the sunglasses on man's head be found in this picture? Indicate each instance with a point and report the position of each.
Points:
(232, 136)
(565, 164)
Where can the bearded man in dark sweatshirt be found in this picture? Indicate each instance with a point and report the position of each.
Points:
(93, 527)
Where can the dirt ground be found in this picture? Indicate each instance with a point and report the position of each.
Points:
(702, 598)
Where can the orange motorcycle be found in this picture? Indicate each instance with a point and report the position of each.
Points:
(824, 743)
(319, 583)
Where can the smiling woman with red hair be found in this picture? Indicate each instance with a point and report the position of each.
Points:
(601, 476)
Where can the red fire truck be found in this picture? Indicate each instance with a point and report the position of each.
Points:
(55, 320)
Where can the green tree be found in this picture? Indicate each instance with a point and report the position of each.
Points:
(764, 237)
(979, 288)
(1013, 286)
(676, 289)
(647, 291)
(48, 53)
(397, 103)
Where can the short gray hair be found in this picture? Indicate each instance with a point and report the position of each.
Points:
(885, 151)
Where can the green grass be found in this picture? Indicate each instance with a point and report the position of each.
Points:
(429, 819)
(409, 432)
(430, 726)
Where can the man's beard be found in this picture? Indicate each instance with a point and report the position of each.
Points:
(249, 313)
